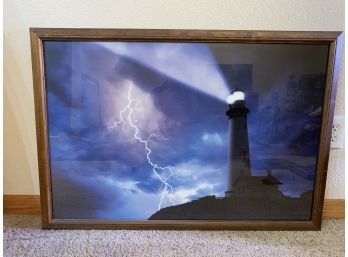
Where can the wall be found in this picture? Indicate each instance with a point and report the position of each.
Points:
(20, 157)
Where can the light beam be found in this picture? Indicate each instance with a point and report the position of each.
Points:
(189, 63)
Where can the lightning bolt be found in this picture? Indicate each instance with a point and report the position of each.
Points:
(130, 108)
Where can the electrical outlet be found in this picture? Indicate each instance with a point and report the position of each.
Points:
(337, 135)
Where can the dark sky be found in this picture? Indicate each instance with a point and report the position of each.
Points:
(101, 171)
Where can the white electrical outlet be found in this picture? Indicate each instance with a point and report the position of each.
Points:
(337, 135)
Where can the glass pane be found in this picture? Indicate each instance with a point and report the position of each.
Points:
(217, 131)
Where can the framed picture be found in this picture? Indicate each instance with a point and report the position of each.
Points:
(183, 129)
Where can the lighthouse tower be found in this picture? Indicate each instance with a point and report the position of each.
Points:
(238, 159)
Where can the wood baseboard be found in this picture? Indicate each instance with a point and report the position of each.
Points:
(30, 204)
(333, 208)
(22, 204)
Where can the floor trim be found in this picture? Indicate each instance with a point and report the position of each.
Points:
(333, 208)
(21, 204)
(30, 204)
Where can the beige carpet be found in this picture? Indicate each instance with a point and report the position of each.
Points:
(23, 237)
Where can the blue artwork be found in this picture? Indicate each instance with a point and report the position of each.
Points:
(144, 130)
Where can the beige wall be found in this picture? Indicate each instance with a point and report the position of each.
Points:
(20, 158)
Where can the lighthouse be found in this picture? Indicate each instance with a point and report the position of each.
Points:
(238, 152)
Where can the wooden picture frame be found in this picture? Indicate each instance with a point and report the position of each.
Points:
(39, 35)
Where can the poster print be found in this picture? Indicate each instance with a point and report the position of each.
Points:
(183, 131)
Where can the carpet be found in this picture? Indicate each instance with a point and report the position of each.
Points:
(23, 237)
